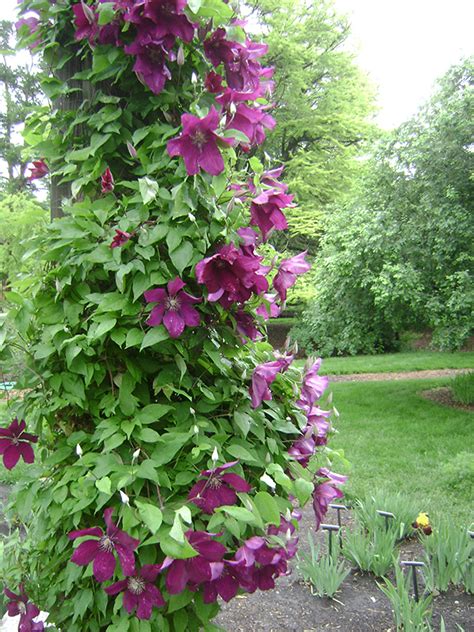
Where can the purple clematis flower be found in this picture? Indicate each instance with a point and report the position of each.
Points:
(288, 272)
(263, 376)
(196, 570)
(247, 326)
(15, 443)
(258, 565)
(252, 121)
(243, 72)
(217, 489)
(224, 582)
(318, 420)
(101, 550)
(287, 529)
(198, 144)
(232, 275)
(20, 605)
(139, 591)
(269, 308)
(150, 63)
(213, 82)
(218, 49)
(173, 307)
(313, 387)
(325, 493)
(164, 17)
(86, 22)
(303, 449)
(107, 181)
(38, 170)
(266, 211)
(120, 238)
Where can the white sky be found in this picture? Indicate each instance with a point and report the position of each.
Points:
(404, 45)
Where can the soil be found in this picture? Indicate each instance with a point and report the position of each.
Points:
(444, 396)
(406, 375)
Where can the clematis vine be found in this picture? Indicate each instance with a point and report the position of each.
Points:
(38, 170)
(20, 605)
(326, 492)
(266, 211)
(313, 387)
(263, 376)
(218, 487)
(120, 238)
(163, 18)
(197, 570)
(198, 144)
(173, 307)
(101, 549)
(139, 591)
(288, 273)
(232, 275)
(150, 60)
(16, 443)
(107, 181)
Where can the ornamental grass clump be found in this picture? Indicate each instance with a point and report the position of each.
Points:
(173, 444)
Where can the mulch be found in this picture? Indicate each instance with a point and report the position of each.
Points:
(444, 396)
(406, 375)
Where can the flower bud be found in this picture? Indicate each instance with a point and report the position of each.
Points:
(232, 108)
(79, 451)
(180, 56)
(125, 499)
(194, 78)
(215, 455)
(335, 411)
(131, 150)
(135, 455)
(268, 480)
(192, 217)
(196, 429)
(192, 411)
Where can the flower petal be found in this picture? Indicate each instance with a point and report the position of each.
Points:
(26, 452)
(175, 286)
(130, 601)
(237, 482)
(85, 552)
(155, 296)
(115, 589)
(156, 316)
(96, 531)
(127, 559)
(177, 577)
(11, 456)
(174, 323)
(104, 566)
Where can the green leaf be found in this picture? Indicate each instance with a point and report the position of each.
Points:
(172, 548)
(134, 338)
(242, 454)
(102, 328)
(152, 413)
(154, 336)
(176, 602)
(106, 13)
(194, 5)
(148, 471)
(268, 508)
(176, 531)
(242, 421)
(148, 189)
(149, 436)
(303, 490)
(104, 485)
(150, 515)
(182, 256)
(82, 600)
(239, 513)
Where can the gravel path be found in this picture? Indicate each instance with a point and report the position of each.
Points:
(385, 377)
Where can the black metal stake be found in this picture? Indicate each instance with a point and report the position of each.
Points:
(414, 566)
(339, 508)
(388, 516)
(330, 528)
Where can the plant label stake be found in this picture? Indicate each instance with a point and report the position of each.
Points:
(339, 508)
(330, 528)
(414, 566)
(388, 516)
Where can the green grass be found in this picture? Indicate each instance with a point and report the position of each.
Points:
(397, 441)
(397, 362)
(463, 388)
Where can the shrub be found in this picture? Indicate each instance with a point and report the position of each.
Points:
(159, 424)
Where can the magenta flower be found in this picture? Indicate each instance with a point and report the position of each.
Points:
(139, 591)
(150, 63)
(173, 308)
(287, 531)
(15, 443)
(318, 420)
(243, 72)
(232, 275)
(120, 238)
(247, 326)
(107, 181)
(251, 121)
(39, 170)
(325, 493)
(263, 376)
(313, 387)
(86, 22)
(213, 82)
(198, 144)
(20, 605)
(163, 18)
(258, 565)
(218, 49)
(288, 272)
(196, 570)
(224, 582)
(101, 550)
(269, 308)
(303, 449)
(266, 211)
(217, 489)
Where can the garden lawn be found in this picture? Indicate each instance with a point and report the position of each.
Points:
(397, 441)
(397, 362)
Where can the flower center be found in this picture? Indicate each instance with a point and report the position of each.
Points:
(199, 139)
(136, 585)
(155, 55)
(106, 544)
(172, 303)
(215, 482)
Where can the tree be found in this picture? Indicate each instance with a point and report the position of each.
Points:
(398, 257)
(323, 107)
(20, 91)
(21, 217)
(172, 443)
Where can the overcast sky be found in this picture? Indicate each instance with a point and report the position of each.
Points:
(404, 45)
